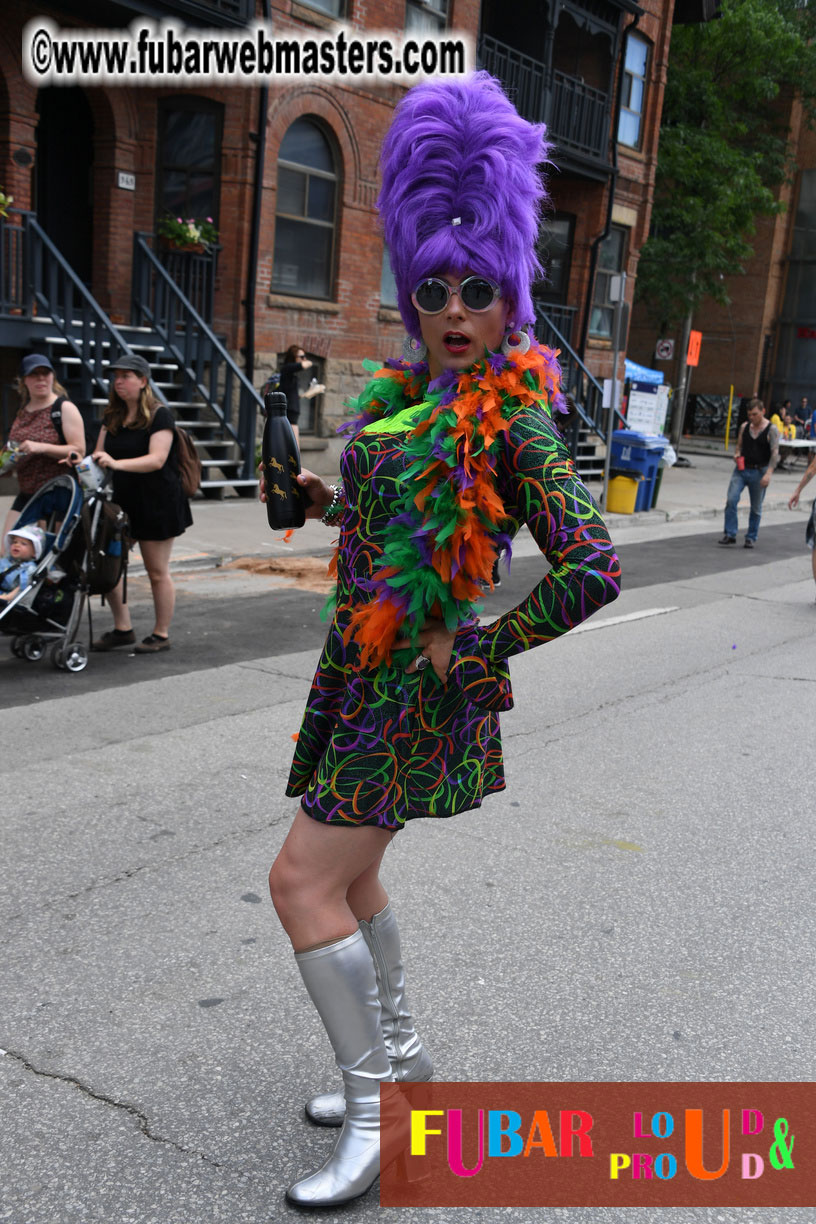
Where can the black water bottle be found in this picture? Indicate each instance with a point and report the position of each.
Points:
(286, 501)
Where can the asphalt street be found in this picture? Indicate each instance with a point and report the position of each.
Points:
(636, 906)
(230, 615)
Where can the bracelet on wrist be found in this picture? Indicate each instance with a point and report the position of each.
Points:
(336, 506)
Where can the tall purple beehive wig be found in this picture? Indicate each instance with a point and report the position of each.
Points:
(459, 148)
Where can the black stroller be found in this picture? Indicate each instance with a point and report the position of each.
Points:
(85, 553)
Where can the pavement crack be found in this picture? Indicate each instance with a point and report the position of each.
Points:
(161, 865)
(787, 679)
(273, 671)
(102, 1098)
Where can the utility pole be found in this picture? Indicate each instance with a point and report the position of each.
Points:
(617, 294)
(681, 391)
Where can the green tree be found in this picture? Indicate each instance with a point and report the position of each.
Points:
(724, 148)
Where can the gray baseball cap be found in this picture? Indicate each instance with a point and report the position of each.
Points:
(131, 361)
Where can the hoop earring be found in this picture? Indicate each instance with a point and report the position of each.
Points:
(515, 343)
(414, 350)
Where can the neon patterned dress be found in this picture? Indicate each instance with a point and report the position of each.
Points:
(379, 746)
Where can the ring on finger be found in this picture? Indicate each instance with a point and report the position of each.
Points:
(421, 662)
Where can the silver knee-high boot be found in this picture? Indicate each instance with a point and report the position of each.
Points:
(342, 984)
(409, 1060)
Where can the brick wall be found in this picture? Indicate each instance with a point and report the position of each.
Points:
(634, 189)
(352, 325)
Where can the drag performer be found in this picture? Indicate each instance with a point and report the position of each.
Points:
(452, 449)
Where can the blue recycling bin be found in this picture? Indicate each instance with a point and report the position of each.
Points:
(636, 452)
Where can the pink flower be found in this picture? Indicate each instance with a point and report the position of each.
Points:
(210, 220)
(179, 220)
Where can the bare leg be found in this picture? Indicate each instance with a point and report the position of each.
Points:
(813, 563)
(120, 610)
(366, 895)
(316, 868)
(156, 557)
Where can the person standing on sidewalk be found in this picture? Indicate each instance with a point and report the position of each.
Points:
(757, 454)
(452, 449)
(810, 530)
(294, 360)
(43, 442)
(137, 443)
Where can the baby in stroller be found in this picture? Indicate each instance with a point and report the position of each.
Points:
(24, 547)
(81, 542)
(43, 608)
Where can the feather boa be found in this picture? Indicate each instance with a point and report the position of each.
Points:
(448, 531)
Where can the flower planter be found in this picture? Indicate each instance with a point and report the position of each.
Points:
(191, 248)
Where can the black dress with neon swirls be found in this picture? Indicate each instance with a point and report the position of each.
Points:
(379, 746)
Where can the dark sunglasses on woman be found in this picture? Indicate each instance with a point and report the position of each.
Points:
(476, 293)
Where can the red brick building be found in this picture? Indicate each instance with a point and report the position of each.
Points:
(764, 342)
(292, 190)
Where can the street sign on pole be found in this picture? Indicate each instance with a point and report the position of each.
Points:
(693, 354)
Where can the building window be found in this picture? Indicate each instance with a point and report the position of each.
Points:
(335, 8)
(388, 286)
(633, 91)
(426, 16)
(189, 171)
(305, 217)
(555, 253)
(611, 262)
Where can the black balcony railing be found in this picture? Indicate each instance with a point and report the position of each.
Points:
(580, 116)
(577, 116)
(525, 79)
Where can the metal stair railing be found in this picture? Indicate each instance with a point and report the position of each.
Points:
(76, 315)
(208, 370)
(578, 381)
(12, 265)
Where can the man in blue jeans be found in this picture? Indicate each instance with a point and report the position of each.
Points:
(757, 455)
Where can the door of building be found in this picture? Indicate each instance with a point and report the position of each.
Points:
(63, 192)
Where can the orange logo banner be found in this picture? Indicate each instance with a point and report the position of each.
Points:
(599, 1145)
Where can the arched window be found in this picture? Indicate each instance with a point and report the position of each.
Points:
(305, 216)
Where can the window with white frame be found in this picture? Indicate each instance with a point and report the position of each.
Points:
(611, 262)
(426, 16)
(306, 213)
(633, 91)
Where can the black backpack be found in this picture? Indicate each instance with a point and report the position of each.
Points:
(106, 528)
(91, 427)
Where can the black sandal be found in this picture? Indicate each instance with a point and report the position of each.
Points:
(153, 643)
(114, 638)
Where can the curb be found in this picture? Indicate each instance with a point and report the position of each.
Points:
(197, 562)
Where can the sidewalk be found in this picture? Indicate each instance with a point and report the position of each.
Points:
(689, 497)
